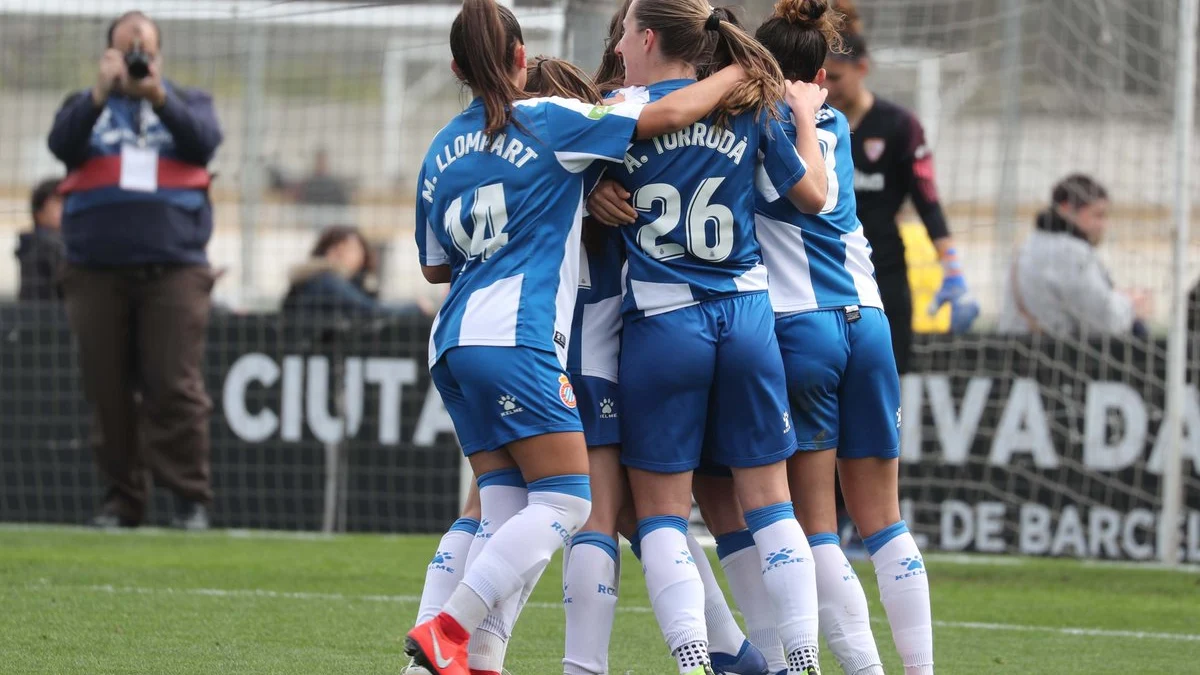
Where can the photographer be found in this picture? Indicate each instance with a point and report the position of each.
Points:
(136, 223)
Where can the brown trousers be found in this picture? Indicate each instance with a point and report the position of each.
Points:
(141, 333)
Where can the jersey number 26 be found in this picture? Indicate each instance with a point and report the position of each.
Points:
(700, 212)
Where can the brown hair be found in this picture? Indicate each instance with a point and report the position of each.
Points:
(483, 41)
(42, 193)
(549, 76)
(336, 234)
(692, 32)
(800, 34)
(610, 76)
(1078, 190)
(850, 15)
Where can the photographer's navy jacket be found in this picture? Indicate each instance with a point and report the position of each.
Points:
(104, 225)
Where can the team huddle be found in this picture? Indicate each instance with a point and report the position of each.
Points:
(660, 291)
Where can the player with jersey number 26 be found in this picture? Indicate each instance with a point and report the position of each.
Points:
(699, 367)
(499, 209)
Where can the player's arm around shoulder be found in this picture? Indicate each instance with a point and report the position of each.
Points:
(810, 192)
(689, 105)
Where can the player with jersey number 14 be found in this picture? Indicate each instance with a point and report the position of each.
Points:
(498, 217)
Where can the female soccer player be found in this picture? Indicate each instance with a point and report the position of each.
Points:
(894, 163)
(841, 378)
(700, 369)
(498, 217)
(591, 563)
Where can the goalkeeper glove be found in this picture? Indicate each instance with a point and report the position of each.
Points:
(963, 307)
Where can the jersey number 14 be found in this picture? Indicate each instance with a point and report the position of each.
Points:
(489, 217)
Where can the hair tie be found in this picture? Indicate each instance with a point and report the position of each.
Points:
(714, 22)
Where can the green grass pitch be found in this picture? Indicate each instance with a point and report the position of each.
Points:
(78, 601)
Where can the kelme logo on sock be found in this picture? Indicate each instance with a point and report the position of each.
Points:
(784, 556)
(913, 567)
(440, 560)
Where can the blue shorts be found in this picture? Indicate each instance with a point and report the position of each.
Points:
(497, 395)
(598, 409)
(706, 380)
(842, 382)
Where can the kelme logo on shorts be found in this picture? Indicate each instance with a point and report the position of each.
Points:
(566, 393)
(599, 111)
(608, 409)
(509, 406)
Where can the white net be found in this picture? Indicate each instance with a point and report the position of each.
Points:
(1039, 446)
(326, 108)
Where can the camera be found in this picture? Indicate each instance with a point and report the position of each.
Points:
(137, 63)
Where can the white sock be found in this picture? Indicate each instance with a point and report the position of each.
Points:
(446, 570)
(904, 591)
(518, 552)
(845, 621)
(501, 495)
(676, 591)
(724, 634)
(791, 578)
(489, 644)
(590, 600)
(743, 571)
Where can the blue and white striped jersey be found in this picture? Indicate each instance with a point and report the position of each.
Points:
(694, 191)
(820, 261)
(595, 347)
(504, 213)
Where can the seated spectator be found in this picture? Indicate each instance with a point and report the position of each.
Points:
(339, 278)
(1058, 285)
(41, 251)
(321, 187)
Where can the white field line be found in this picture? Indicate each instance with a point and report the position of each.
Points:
(254, 593)
(705, 540)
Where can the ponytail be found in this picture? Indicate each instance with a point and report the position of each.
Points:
(763, 87)
(708, 39)
(483, 42)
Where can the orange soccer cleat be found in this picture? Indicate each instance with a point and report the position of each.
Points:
(439, 645)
